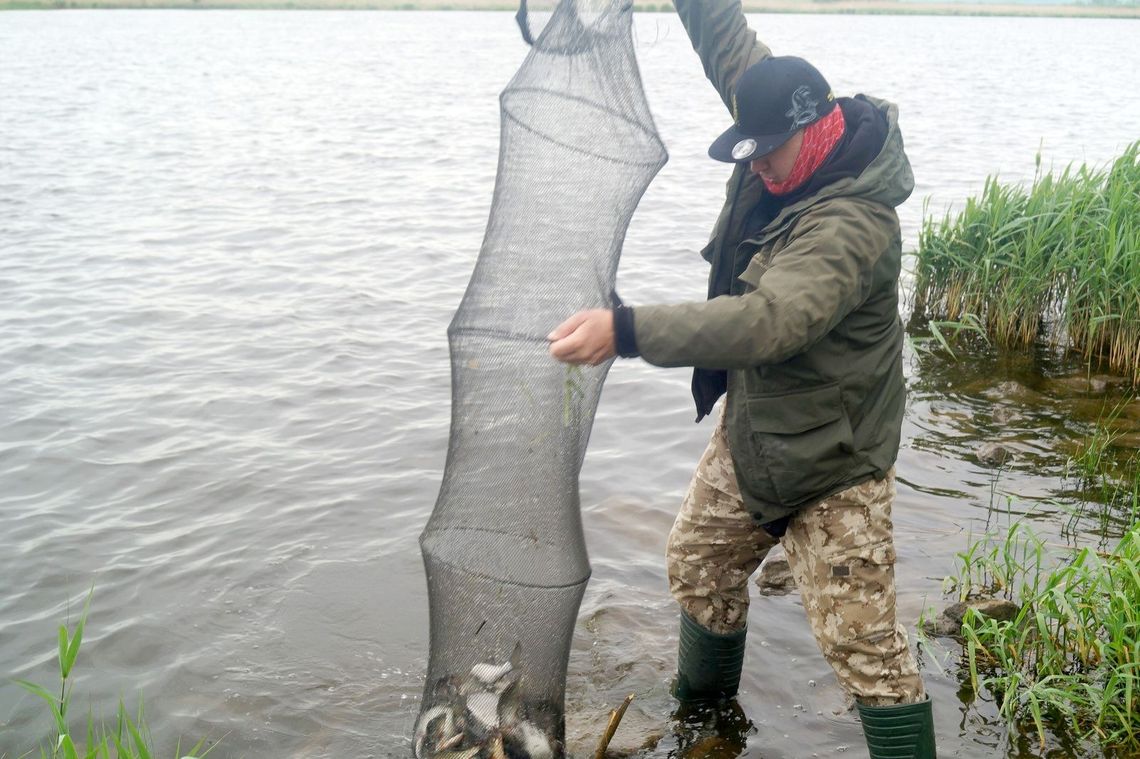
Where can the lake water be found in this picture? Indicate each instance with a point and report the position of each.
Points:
(230, 244)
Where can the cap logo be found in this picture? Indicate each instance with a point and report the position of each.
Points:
(743, 149)
(803, 111)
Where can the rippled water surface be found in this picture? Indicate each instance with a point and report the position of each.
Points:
(230, 244)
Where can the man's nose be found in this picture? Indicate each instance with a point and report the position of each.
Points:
(758, 165)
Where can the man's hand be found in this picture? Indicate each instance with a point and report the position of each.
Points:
(587, 337)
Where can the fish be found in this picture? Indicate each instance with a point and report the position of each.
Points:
(491, 673)
(525, 739)
(481, 716)
(436, 725)
(484, 707)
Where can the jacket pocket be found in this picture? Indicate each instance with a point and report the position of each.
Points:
(804, 440)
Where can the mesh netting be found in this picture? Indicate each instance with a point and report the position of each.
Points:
(503, 550)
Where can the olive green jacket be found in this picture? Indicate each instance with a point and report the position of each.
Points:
(813, 340)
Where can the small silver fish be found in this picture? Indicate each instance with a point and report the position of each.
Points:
(484, 707)
(488, 691)
(527, 740)
(481, 716)
(490, 673)
(435, 726)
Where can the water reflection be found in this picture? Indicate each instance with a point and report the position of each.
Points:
(717, 731)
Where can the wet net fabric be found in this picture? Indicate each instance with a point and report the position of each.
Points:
(503, 550)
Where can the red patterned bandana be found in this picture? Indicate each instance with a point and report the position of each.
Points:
(819, 139)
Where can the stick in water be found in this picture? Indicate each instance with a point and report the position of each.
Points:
(611, 728)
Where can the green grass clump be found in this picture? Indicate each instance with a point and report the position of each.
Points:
(1060, 260)
(130, 737)
(1070, 660)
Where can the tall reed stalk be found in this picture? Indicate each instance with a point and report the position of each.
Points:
(1059, 260)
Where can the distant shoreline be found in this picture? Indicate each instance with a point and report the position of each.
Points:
(858, 7)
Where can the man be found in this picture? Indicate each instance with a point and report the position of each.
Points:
(801, 333)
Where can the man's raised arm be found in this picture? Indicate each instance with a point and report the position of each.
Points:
(722, 39)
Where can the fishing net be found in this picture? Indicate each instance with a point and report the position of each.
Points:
(503, 550)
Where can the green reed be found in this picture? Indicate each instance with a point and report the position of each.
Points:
(1070, 659)
(1059, 260)
(129, 739)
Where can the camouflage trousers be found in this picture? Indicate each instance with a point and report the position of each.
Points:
(841, 553)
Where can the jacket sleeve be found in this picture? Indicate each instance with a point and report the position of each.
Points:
(826, 272)
(722, 39)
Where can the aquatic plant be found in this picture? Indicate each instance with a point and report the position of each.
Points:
(1106, 478)
(1070, 659)
(130, 738)
(1059, 260)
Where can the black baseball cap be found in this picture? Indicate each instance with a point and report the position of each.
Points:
(773, 100)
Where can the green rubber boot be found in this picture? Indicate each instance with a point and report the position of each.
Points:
(899, 731)
(708, 664)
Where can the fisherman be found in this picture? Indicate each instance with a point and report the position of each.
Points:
(801, 334)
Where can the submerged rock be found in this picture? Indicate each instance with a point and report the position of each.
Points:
(993, 454)
(775, 578)
(1001, 609)
(1012, 391)
(949, 623)
(1002, 414)
(941, 627)
(1081, 384)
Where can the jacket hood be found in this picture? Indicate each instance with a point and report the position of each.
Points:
(888, 179)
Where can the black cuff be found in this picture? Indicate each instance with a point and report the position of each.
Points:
(624, 336)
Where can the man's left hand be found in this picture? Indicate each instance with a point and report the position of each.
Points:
(587, 337)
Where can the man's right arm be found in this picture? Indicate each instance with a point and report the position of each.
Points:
(722, 39)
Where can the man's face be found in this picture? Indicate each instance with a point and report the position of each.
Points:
(777, 165)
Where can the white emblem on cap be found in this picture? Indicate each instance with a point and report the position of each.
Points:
(743, 149)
